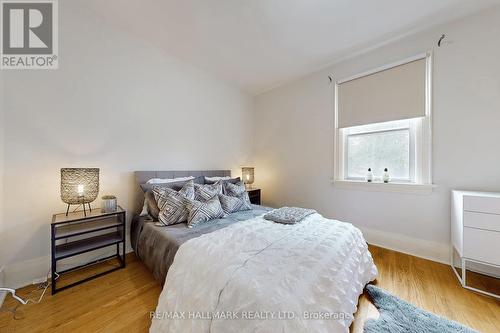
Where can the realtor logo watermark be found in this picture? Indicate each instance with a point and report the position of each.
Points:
(29, 36)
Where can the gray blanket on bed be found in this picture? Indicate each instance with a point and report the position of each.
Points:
(156, 245)
(288, 215)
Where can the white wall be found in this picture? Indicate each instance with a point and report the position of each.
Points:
(294, 138)
(2, 144)
(116, 103)
(2, 125)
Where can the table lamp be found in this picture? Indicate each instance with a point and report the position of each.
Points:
(247, 174)
(79, 186)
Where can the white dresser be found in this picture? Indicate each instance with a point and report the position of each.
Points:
(475, 232)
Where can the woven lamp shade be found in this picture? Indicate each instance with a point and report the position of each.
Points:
(79, 185)
(247, 174)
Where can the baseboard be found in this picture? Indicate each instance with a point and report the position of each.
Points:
(2, 284)
(425, 249)
(21, 274)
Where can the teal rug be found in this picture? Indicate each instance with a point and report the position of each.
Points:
(398, 316)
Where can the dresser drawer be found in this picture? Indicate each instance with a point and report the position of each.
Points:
(482, 221)
(482, 245)
(482, 204)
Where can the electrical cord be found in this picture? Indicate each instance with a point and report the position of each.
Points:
(43, 285)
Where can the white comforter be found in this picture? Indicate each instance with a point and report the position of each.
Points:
(260, 276)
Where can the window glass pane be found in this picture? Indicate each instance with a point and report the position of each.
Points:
(378, 151)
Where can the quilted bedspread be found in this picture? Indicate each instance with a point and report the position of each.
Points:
(261, 276)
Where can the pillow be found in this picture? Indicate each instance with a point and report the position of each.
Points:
(172, 203)
(288, 215)
(145, 207)
(200, 212)
(168, 180)
(144, 210)
(237, 190)
(176, 185)
(149, 206)
(233, 204)
(206, 192)
(211, 180)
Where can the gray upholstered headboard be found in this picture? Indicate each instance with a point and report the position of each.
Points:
(143, 176)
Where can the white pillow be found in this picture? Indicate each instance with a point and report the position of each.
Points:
(168, 180)
(214, 179)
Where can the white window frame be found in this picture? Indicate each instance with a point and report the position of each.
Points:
(420, 144)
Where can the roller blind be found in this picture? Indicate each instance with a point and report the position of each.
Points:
(392, 94)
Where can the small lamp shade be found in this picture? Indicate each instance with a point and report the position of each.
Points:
(247, 173)
(79, 185)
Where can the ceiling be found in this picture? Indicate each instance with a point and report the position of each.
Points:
(261, 44)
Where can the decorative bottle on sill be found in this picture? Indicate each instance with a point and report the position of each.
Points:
(369, 175)
(386, 177)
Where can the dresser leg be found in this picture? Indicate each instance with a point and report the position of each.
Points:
(464, 272)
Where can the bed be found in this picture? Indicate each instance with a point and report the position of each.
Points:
(244, 273)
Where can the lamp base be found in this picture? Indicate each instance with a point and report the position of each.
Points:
(248, 187)
(84, 209)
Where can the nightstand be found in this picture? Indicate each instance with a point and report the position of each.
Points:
(76, 234)
(254, 195)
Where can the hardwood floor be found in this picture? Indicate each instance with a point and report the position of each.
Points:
(431, 286)
(121, 301)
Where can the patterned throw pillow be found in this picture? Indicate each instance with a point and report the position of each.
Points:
(238, 190)
(205, 192)
(200, 212)
(172, 203)
(223, 181)
(235, 190)
(233, 204)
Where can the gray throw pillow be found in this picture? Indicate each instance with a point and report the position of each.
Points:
(235, 190)
(238, 190)
(153, 209)
(206, 192)
(200, 212)
(149, 197)
(172, 204)
(233, 204)
(288, 215)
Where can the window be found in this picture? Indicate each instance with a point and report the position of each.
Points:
(388, 145)
(367, 137)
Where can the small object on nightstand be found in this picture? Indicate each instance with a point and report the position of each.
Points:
(386, 177)
(254, 195)
(76, 233)
(109, 204)
(369, 175)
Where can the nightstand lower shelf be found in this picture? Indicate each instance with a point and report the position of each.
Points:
(88, 244)
(74, 235)
(73, 276)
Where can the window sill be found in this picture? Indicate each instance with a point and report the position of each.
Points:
(424, 189)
